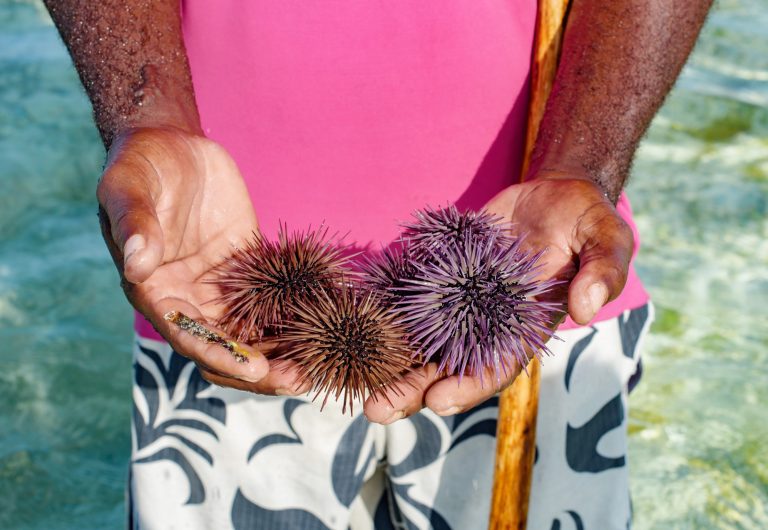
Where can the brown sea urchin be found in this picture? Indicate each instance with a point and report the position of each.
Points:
(348, 344)
(259, 281)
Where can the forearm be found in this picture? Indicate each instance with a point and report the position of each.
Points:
(618, 62)
(132, 62)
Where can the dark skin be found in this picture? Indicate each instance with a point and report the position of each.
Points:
(173, 202)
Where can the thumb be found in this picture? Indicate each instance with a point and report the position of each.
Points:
(605, 249)
(129, 222)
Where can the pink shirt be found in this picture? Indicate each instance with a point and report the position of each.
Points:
(358, 113)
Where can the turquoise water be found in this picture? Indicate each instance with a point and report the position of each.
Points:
(64, 330)
(699, 423)
(700, 188)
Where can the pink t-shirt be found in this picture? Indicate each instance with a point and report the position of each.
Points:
(355, 114)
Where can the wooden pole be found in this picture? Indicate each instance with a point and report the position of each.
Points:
(518, 404)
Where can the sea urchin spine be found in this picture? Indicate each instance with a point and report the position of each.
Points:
(387, 272)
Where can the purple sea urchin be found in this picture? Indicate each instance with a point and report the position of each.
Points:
(387, 271)
(260, 280)
(433, 229)
(347, 344)
(471, 305)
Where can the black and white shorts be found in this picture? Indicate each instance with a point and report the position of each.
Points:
(214, 458)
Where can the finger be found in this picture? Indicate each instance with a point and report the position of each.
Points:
(126, 199)
(213, 357)
(455, 394)
(606, 249)
(400, 401)
(282, 380)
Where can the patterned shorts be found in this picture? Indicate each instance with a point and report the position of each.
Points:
(213, 458)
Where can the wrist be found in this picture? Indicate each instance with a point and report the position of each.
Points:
(565, 190)
(161, 99)
(607, 179)
(152, 147)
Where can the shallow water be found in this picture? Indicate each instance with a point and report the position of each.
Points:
(64, 338)
(699, 426)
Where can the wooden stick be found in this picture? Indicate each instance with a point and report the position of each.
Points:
(518, 404)
(550, 23)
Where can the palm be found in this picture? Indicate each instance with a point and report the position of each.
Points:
(183, 200)
(204, 212)
(536, 213)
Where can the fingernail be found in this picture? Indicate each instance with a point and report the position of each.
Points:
(134, 244)
(450, 411)
(399, 415)
(254, 373)
(251, 372)
(597, 294)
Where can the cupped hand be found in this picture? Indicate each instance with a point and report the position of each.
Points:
(172, 206)
(587, 245)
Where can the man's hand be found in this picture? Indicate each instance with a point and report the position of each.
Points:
(172, 206)
(172, 203)
(588, 245)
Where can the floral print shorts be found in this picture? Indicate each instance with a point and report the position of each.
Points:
(214, 458)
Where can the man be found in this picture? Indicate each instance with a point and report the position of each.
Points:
(355, 114)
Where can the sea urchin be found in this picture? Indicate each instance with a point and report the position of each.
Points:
(259, 281)
(387, 272)
(346, 343)
(435, 228)
(472, 303)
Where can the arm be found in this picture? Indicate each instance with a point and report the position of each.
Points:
(172, 202)
(132, 62)
(618, 62)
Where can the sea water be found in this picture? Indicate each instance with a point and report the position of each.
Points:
(698, 455)
(699, 420)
